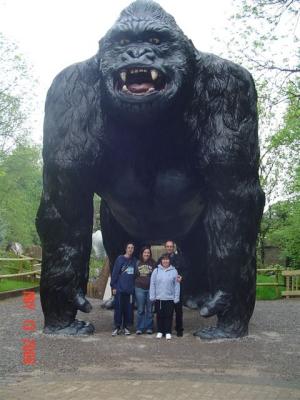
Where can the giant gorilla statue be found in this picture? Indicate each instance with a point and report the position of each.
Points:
(167, 136)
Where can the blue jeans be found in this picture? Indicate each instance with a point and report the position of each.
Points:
(144, 310)
(123, 310)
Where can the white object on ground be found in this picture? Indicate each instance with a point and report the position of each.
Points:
(97, 244)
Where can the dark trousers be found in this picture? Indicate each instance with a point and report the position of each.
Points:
(178, 316)
(123, 310)
(164, 315)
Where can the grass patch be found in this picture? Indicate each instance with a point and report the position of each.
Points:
(95, 267)
(13, 267)
(268, 292)
(11, 284)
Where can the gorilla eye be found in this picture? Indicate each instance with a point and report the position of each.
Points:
(154, 40)
(124, 41)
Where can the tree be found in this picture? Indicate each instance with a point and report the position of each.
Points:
(20, 173)
(20, 190)
(266, 44)
(285, 227)
(16, 96)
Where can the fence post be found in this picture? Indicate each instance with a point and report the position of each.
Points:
(277, 290)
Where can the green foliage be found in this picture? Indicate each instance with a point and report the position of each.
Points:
(289, 134)
(95, 267)
(16, 96)
(97, 202)
(12, 284)
(20, 172)
(20, 190)
(268, 292)
(285, 230)
(263, 38)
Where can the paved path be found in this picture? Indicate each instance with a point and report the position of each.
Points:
(264, 365)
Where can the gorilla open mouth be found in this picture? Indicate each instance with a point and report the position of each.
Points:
(139, 81)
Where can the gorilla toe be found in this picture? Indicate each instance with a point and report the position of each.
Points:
(217, 332)
(76, 328)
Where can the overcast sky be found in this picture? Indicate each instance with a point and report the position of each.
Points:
(56, 33)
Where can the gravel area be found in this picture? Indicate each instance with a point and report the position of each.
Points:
(268, 356)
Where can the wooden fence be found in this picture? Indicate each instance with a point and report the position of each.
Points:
(292, 283)
(20, 272)
(277, 271)
(96, 288)
(32, 275)
(34, 263)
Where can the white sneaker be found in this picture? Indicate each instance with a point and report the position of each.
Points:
(159, 335)
(115, 332)
(127, 332)
(168, 336)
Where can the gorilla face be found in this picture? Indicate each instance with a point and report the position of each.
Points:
(145, 60)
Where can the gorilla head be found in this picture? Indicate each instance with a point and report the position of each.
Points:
(146, 63)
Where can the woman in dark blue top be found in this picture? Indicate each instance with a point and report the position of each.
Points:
(122, 284)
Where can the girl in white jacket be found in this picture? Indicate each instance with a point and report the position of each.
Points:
(165, 291)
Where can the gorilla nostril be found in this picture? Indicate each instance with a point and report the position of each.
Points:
(138, 53)
(150, 56)
(132, 53)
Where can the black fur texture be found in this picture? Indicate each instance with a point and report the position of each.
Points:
(173, 154)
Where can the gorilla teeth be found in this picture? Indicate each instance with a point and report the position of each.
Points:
(123, 76)
(154, 74)
(124, 88)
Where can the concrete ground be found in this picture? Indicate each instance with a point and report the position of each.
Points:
(265, 365)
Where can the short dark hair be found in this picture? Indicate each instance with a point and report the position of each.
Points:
(127, 243)
(165, 255)
(170, 240)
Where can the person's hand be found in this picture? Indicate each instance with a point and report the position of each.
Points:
(114, 292)
(179, 278)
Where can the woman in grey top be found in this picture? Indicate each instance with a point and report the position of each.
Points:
(165, 291)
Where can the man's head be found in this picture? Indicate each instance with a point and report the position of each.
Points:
(170, 246)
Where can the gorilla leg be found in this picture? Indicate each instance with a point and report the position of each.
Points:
(231, 223)
(64, 223)
(195, 284)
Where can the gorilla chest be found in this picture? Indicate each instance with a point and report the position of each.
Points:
(151, 200)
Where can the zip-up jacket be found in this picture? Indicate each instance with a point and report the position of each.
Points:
(124, 274)
(164, 285)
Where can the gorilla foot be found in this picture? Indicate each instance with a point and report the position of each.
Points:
(82, 303)
(217, 332)
(219, 303)
(74, 329)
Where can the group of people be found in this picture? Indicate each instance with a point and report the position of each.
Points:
(153, 287)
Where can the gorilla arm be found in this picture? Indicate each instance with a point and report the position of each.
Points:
(229, 156)
(65, 215)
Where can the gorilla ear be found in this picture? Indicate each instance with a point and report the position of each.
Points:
(192, 46)
(193, 49)
(100, 43)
